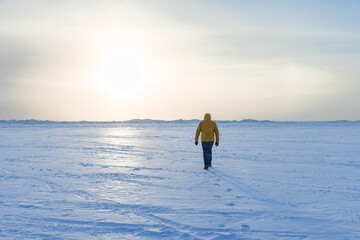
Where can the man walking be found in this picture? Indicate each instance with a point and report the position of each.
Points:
(207, 128)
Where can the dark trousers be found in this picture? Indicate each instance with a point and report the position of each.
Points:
(207, 146)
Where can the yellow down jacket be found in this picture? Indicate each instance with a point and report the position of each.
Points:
(207, 128)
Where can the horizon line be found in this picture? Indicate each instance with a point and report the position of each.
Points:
(144, 120)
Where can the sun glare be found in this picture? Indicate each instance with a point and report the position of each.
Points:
(120, 71)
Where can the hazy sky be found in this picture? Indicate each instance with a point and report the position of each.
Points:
(118, 60)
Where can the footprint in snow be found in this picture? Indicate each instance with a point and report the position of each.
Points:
(245, 227)
(229, 190)
(85, 164)
(230, 204)
(217, 196)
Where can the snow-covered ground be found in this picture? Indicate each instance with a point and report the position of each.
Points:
(146, 181)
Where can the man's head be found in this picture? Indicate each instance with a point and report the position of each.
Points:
(207, 117)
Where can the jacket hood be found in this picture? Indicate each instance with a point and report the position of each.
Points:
(207, 117)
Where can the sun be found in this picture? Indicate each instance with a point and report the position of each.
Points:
(120, 71)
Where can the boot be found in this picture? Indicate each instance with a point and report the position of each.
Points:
(206, 167)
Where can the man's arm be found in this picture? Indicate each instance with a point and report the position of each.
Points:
(198, 130)
(217, 135)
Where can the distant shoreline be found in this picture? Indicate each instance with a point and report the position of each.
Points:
(152, 121)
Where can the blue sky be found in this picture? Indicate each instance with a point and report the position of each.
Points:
(117, 60)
